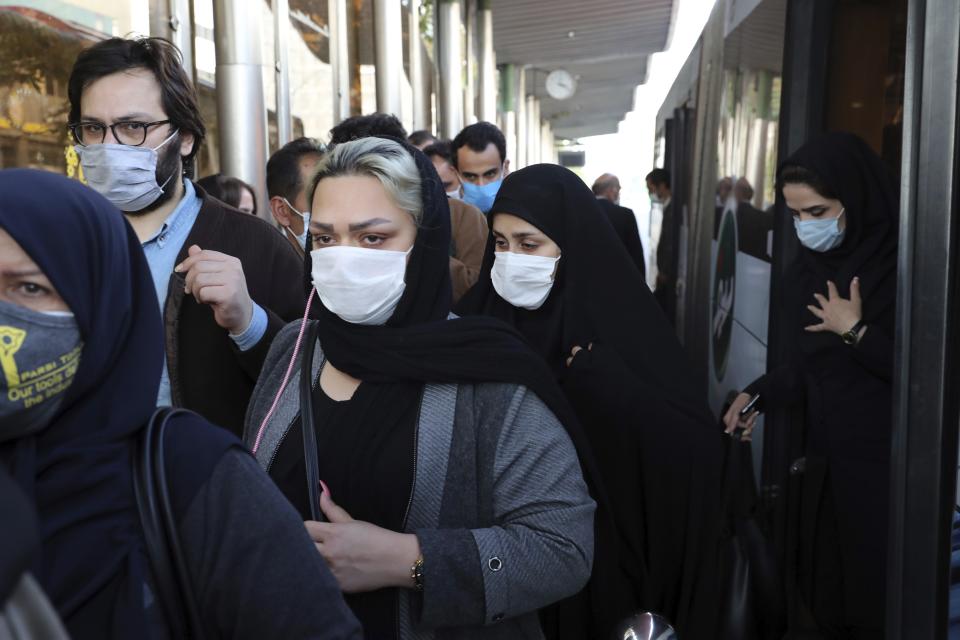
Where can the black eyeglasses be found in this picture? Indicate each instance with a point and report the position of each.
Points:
(132, 134)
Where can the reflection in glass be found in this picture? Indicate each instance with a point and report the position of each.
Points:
(38, 51)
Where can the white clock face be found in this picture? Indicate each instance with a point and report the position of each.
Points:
(561, 85)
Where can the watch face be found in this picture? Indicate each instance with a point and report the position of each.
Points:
(561, 85)
(849, 337)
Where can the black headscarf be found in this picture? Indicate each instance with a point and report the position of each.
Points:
(78, 469)
(661, 451)
(421, 344)
(596, 296)
(856, 176)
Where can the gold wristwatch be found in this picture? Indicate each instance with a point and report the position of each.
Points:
(416, 574)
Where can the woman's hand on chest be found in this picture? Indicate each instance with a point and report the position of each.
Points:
(362, 556)
(837, 314)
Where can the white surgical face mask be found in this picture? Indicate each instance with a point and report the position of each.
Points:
(820, 234)
(522, 280)
(305, 216)
(362, 286)
(124, 175)
(454, 195)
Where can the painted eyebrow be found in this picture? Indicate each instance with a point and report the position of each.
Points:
(518, 235)
(810, 209)
(359, 226)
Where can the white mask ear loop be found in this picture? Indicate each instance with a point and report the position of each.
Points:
(286, 376)
(169, 138)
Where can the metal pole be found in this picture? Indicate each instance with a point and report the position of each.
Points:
(416, 67)
(180, 23)
(339, 59)
(388, 42)
(470, 86)
(531, 131)
(241, 109)
(281, 31)
(538, 129)
(521, 98)
(508, 109)
(545, 148)
(488, 69)
(450, 67)
(925, 373)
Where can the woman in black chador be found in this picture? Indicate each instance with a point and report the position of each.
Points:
(555, 270)
(842, 296)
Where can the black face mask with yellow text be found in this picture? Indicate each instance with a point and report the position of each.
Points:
(39, 354)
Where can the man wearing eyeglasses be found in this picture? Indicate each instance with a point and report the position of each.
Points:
(226, 282)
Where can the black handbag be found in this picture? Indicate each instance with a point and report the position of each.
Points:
(753, 603)
(171, 581)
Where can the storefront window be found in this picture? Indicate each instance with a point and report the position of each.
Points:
(311, 77)
(39, 42)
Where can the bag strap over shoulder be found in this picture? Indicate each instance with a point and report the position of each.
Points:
(307, 423)
(171, 581)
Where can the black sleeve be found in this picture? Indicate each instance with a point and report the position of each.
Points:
(251, 360)
(781, 387)
(255, 571)
(875, 353)
(598, 383)
(784, 385)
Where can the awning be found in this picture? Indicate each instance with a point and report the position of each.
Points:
(604, 44)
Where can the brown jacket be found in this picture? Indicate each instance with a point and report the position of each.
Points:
(208, 373)
(470, 231)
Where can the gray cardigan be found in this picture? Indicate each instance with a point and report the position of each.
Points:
(499, 505)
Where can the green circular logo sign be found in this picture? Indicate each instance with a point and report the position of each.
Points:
(724, 289)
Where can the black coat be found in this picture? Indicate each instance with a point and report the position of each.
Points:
(208, 373)
(846, 391)
(625, 224)
(656, 444)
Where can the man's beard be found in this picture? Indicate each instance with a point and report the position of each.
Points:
(169, 169)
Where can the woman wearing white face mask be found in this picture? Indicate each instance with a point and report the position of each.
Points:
(842, 296)
(447, 503)
(556, 270)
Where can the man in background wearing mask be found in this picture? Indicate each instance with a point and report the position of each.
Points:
(606, 188)
(468, 227)
(479, 156)
(288, 173)
(226, 281)
(658, 186)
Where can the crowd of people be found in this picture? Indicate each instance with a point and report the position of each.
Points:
(436, 399)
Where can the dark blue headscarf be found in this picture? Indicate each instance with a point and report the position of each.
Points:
(78, 469)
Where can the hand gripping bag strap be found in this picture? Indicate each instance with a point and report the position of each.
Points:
(171, 580)
(310, 460)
